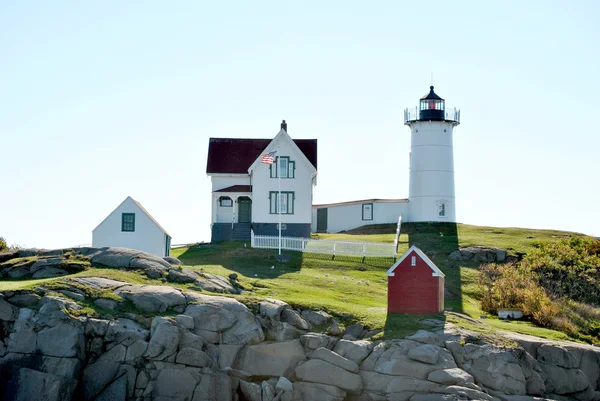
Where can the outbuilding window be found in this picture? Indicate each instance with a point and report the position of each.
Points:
(413, 260)
(128, 222)
(225, 201)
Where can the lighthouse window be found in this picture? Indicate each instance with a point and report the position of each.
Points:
(442, 210)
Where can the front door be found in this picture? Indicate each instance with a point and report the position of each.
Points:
(244, 210)
(322, 220)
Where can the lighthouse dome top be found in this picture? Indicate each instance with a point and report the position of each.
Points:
(432, 108)
(431, 95)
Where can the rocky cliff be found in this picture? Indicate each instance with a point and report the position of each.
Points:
(215, 348)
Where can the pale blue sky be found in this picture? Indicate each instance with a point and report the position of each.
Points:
(101, 100)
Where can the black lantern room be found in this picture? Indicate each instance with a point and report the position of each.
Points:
(431, 107)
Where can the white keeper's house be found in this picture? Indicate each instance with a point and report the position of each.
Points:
(245, 190)
(131, 226)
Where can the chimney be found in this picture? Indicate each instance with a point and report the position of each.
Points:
(284, 125)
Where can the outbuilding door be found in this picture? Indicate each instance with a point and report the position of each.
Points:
(244, 210)
(322, 220)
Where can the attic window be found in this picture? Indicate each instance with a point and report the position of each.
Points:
(284, 166)
(128, 222)
(413, 260)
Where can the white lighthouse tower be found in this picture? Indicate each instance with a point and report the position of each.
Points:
(431, 190)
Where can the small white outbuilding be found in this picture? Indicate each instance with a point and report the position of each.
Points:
(131, 226)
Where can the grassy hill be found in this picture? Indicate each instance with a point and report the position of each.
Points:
(347, 285)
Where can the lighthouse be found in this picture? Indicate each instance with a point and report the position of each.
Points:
(431, 188)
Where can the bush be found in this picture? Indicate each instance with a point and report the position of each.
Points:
(3, 245)
(556, 286)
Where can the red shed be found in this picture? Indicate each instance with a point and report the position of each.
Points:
(415, 285)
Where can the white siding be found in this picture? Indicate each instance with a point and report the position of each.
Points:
(147, 236)
(347, 217)
(431, 171)
(301, 185)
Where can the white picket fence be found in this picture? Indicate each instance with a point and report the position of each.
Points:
(328, 247)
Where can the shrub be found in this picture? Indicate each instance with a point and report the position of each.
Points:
(3, 245)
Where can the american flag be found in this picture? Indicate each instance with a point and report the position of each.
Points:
(268, 158)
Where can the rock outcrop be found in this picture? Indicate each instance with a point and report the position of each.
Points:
(479, 254)
(215, 349)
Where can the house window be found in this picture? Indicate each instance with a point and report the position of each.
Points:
(367, 211)
(413, 260)
(442, 210)
(284, 166)
(225, 201)
(285, 203)
(128, 222)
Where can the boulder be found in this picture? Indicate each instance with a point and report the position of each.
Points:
(245, 329)
(272, 308)
(463, 393)
(181, 276)
(190, 340)
(316, 318)
(31, 385)
(215, 283)
(426, 337)
(292, 317)
(450, 376)
(210, 317)
(152, 298)
(174, 384)
(284, 384)
(268, 392)
(495, 368)
(113, 257)
(251, 391)
(63, 340)
(24, 299)
(99, 283)
(313, 341)
(561, 380)
(164, 342)
(116, 391)
(172, 260)
(136, 350)
(193, 357)
(6, 256)
(7, 311)
(426, 353)
(109, 304)
(276, 359)
(96, 327)
(335, 359)
(185, 321)
(118, 353)
(319, 371)
(227, 355)
(553, 355)
(354, 331)
(319, 392)
(125, 331)
(355, 351)
(97, 376)
(214, 387)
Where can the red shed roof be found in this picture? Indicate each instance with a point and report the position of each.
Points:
(421, 254)
(236, 155)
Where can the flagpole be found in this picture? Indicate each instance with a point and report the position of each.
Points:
(279, 201)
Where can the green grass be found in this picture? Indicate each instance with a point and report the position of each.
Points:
(319, 282)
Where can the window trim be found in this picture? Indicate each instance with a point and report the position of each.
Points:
(363, 211)
(275, 194)
(123, 222)
(222, 198)
(274, 168)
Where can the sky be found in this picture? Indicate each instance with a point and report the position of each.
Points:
(104, 100)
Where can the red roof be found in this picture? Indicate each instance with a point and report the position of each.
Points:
(235, 155)
(236, 188)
